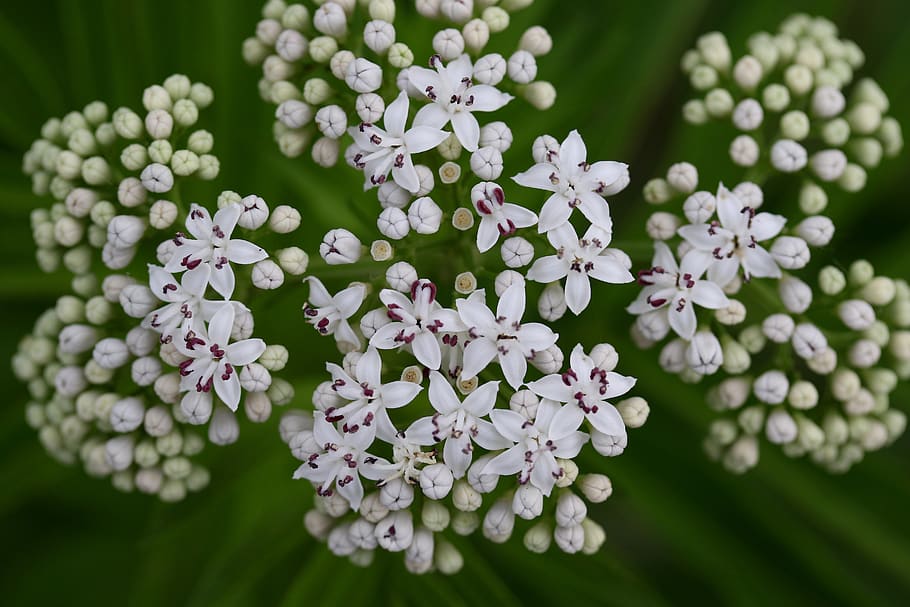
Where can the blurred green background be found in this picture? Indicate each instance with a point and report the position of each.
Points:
(679, 528)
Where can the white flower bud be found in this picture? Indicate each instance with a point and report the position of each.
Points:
(856, 314)
(157, 178)
(111, 353)
(829, 165)
(824, 362)
(223, 429)
(339, 246)
(499, 522)
(330, 20)
(465, 497)
(396, 494)
(522, 67)
(794, 125)
(543, 147)
(778, 328)
(294, 114)
(125, 231)
(794, 294)
(390, 194)
(803, 395)
(396, 531)
(130, 192)
(424, 216)
(552, 302)
(747, 72)
(137, 300)
(704, 354)
(771, 387)
(744, 151)
(490, 69)
(162, 214)
(525, 403)
(331, 121)
(325, 152)
(788, 156)
(159, 124)
(448, 44)
(401, 275)
(790, 252)
(748, 115)
(486, 163)
(517, 252)
(719, 103)
(549, 360)
(864, 353)
(808, 341)
(457, 11)
(127, 414)
(476, 34)
(255, 212)
(569, 539)
(69, 381)
(436, 481)
(506, 279)
(118, 452)
(662, 226)
(363, 76)
(683, 177)
(267, 275)
(699, 207)
(79, 202)
(291, 45)
(780, 427)
(827, 102)
(393, 223)
(657, 191)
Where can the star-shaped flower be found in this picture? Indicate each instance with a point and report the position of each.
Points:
(342, 461)
(454, 98)
(390, 149)
(212, 363)
(368, 398)
(574, 183)
(732, 242)
(458, 423)
(502, 336)
(497, 217)
(553, 433)
(579, 260)
(676, 289)
(214, 246)
(416, 323)
(186, 307)
(586, 388)
(329, 314)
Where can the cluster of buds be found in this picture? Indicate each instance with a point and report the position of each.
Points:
(815, 385)
(157, 335)
(794, 91)
(342, 63)
(450, 413)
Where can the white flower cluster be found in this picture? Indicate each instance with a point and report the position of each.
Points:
(457, 447)
(439, 396)
(338, 68)
(794, 91)
(815, 385)
(117, 370)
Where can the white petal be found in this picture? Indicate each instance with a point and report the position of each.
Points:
(578, 292)
(572, 152)
(432, 115)
(509, 424)
(245, 252)
(223, 281)
(682, 317)
(699, 237)
(664, 258)
(567, 420)
(520, 216)
(512, 303)
(457, 454)
(421, 432)
(618, 384)
(396, 115)
(405, 175)
(352, 491)
(442, 396)
(228, 390)
(221, 324)
(758, 262)
(536, 336)
(466, 130)
(488, 437)
(344, 334)
(196, 281)
(487, 98)
(399, 393)
(607, 420)
(596, 210)
(767, 225)
(226, 218)
(555, 212)
(475, 314)
(348, 300)
(514, 367)
(708, 295)
(199, 222)
(610, 271)
(422, 138)
(319, 296)
(507, 462)
(487, 233)
(426, 349)
(551, 387)
(722, 271)
(369, 368)
(537, 177)
(547, 269)
(244, 352)
(477, 355)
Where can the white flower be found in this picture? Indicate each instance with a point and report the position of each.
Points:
(458, 423)
(368, 399)
(733, 241)
(586, 388)
(677, 289)
(329, 314)
(213, 246)
(574, 183)
(579, 260)
(416, 322)
(497, 217)
(342, 462)
(454, 98)
(553, 433)
(211, 361)
(502, 335)
(186, 306)
(390, 149)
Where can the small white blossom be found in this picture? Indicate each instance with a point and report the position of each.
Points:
(329, 314)
(574, 183)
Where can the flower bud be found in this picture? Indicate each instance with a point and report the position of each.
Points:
(490, 69)
(436, 481)
(552, 302)
(339, 246)
(780, 427)
(516, 252)
(424, 216)
(788, 156)
(223, 428)
(465, 497)
(499, 522)
(704, 354)
(634, 411)
(396, 531)
(794, 294)
(569, 539)
(549, 360)
(363, 76)
(127, 414)
(401, 275)
(808, 341)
